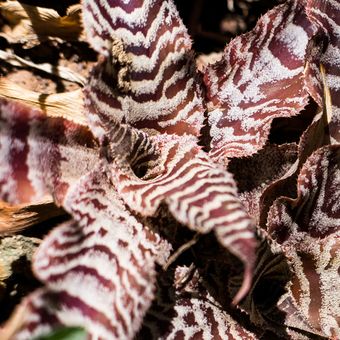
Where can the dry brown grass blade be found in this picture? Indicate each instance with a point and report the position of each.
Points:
(59, 71)
(44, 21)
(327, 96)
(68, 105)
(14, 218)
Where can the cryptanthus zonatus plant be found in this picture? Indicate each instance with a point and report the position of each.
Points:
(157, 152)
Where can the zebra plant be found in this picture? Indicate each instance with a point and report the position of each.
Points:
(156, 154)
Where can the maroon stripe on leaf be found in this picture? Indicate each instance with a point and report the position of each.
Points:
(259, 78)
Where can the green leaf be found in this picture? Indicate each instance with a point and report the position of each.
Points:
(68, 333)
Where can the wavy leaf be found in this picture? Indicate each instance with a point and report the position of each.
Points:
(307, 228)
(147, 78)
(260, 77)
(39, 154)
(98, 269)
(178, 173)
(198, 194)
(254, 174)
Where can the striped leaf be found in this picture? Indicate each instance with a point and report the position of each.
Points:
(199, 194)
(128, 91)
(259, 78)
(308, 229)
(147, 74)
(40, 154)
(98, 269)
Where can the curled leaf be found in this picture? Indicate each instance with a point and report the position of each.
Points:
(259, 78)
(39, 154)
(98, 269)
(147, 73)
(59, 71)
(43, 22)
(307, 228)
(198, 194)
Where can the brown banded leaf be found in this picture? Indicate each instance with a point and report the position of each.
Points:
(147, 75)
(307, 230)
(198, 193)
(40, 155)
(259, 78)
(98, 269)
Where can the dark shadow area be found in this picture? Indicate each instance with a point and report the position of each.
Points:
(290, 129)
(17, 286)
(42, 229)
(213, 23)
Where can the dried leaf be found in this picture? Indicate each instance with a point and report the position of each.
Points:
(59, 71)
(326, 16)
(68, 105)
(43, 22)
(14, 218)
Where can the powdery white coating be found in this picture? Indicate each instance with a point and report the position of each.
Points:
(259, 78)
(109, 269)
(164, 50)
(194, 190)
(151, 85)
(295, 38)
(135, 111)
(311, 223)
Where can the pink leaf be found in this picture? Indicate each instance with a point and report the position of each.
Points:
(98, 270)
(307, 228)
(147, 77)
(260, 77)
(40, 154)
